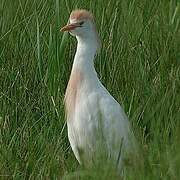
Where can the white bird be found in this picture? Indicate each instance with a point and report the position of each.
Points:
(96, 122)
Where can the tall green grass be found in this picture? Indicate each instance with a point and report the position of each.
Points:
(139, 63)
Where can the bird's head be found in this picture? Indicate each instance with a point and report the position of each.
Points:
(81, 24)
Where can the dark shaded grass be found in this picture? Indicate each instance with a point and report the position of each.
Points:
(138, 63)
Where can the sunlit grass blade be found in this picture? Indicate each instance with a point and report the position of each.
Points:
(38, 49)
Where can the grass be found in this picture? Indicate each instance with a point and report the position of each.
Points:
(139, 63)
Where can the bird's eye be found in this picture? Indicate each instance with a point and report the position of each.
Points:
(81, 23)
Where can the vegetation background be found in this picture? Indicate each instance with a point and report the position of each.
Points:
(139, 63)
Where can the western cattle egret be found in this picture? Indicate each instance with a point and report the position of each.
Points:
(96, 122)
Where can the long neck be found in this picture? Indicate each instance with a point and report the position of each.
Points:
(83, 73)
(84, 57)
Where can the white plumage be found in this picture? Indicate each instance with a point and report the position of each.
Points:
(96, 122)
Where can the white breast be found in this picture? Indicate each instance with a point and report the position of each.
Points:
(97, 122)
